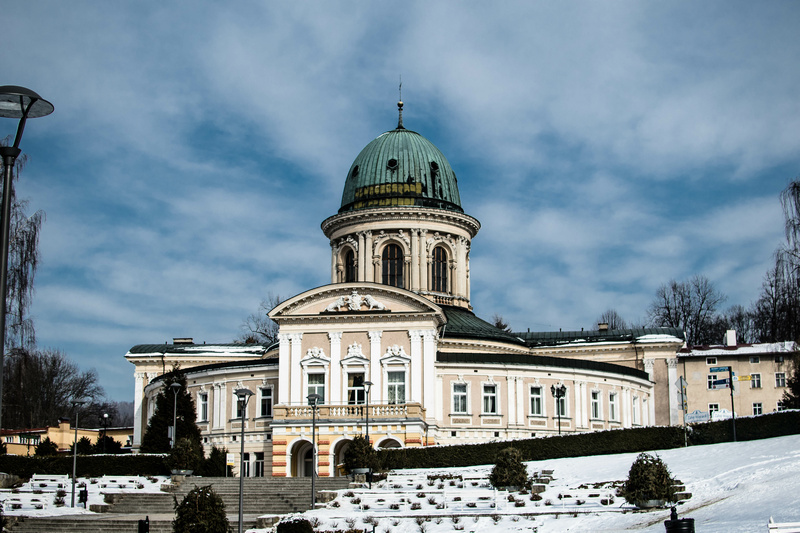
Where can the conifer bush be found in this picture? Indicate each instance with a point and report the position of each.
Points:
(294, 524)
(508, 470)
(648, 479)
(201, 511)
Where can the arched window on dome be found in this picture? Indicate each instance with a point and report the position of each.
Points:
(392, 260)
(349, 266)
(439, 270)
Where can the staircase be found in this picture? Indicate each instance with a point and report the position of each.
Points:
(261, 496)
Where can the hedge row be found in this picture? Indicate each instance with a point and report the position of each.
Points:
(597, 443)
(87, 465)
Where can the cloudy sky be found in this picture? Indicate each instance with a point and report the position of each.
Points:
(606, 148)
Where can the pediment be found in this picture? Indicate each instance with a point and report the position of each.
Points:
(355, 299)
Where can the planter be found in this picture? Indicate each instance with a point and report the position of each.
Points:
(651, 504)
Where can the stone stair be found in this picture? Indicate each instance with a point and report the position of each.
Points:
(261, 496)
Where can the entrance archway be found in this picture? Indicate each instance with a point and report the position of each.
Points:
(302, 455)
(339, 449)
(389, 443)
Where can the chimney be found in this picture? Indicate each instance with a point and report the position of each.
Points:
(182, 340)
(730, 337)
(602, 326)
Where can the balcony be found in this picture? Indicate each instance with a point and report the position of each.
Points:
(349, 413)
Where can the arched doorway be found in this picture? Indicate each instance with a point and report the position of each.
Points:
(389, 443)
(302, 456)
(339, 449)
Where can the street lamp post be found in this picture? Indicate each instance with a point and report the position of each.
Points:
(367, 387)
(105, 430)
(21, 103)
(176, 387)
(244, 396)
(75, 404)
(313, 401)
(559, 391)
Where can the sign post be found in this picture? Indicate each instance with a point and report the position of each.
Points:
(682, 384)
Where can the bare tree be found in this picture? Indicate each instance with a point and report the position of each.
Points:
(40, 385)
(613, 319)
(23, 260)
(689, 305)
(258, 328)
(500, 323)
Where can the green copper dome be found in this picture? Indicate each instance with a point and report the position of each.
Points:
(400, 167)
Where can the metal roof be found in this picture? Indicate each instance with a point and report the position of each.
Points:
(558, 338)
(400, 167)
(255, 349)
(539, 360)
(463, 323)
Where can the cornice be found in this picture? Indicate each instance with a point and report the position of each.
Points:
(400, 213)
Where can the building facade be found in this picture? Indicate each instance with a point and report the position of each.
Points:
(393, 348)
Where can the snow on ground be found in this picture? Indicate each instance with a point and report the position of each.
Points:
(735, 487)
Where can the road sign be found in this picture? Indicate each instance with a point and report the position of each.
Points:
(681, 383)
(697, 416)
(720, 369)
(744, 378)
(230, 459)
(720, 384)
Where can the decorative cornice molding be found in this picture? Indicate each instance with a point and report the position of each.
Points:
(401, 214)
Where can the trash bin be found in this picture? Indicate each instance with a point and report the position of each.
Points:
(678, 525)
(83, 496)
(144, 525)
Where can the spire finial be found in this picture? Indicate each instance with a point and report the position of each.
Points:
(400, 105)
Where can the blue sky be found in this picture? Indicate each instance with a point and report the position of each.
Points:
(606, 147)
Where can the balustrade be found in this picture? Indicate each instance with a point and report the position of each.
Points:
(352, 412)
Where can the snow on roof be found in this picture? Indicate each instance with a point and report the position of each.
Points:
(739, 349)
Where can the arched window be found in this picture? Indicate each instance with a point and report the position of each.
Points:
(439, 270)
(349, 266)
(393, 266)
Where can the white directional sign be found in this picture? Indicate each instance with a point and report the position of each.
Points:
(697, 416)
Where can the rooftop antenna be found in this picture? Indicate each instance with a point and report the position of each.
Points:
(400, 105)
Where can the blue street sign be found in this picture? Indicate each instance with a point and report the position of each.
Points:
(720, 369)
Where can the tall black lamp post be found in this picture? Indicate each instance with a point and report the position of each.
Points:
(367, 388)
(105, 430)
(176, 388)
(21, 103)
(75, 404)
(313, 401)
(559, 391)
(244, 396)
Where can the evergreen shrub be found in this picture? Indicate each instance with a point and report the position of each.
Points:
(648, 479)
(508, 470)
(201, 511)
(294, 524)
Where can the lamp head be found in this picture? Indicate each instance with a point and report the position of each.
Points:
(14, 100)
(313, 399)
(175, 387)
(368, 385)
(243, 394)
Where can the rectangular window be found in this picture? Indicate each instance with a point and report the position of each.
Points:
(203, 401)
(713, 407)
(561, 406)
(754, 359)
(596, 405)
(266, 401)
(239, 407)
(711, 360)
(780, 379)
(246, 465)
(755, 381)
(259, 465)
(536, 401)
(490, 399)
(711, 378)
(355, 389)
(781, 407)
(460, 398)
(636, 410)
(613, 410)
(757, 410)
(779, 359)
(316, 385)
(397, 387)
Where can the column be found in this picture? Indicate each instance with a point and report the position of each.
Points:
(334, 250)
(626, 407)
(336, 367)
(296, 393)
(415, 377)
(674, 406)
(520, 402)
(138, 396)
(511, 400)
(439, 398)
(374, 370)
(415, 260)
(577, 413)
(284, 368)
(362, 257)
(648, 367)
(428, 366)
(461, 264)
(369, 268)
(423, 261)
